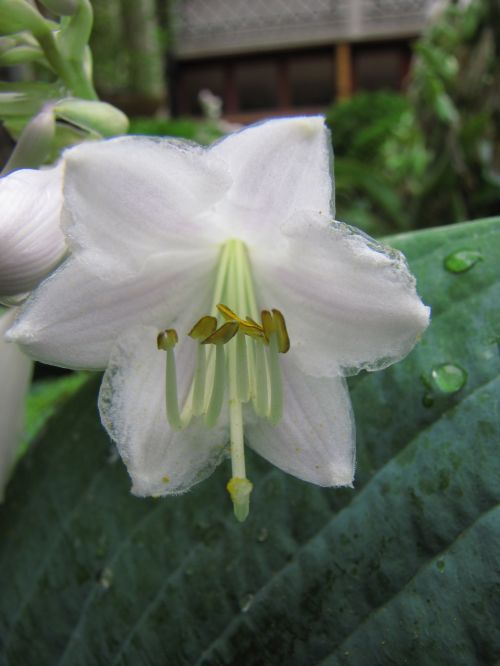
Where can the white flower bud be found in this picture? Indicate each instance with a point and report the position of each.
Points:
(31, 241)
(15, 370)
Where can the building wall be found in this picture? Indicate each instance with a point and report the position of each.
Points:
(266, 57)
(220, 27)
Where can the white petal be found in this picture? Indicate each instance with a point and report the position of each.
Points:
(129, 197)
(31, 241)
(315, 438)
(15, 371)
(277, 167)
(132, 406)
(75, 317)
(349, 303)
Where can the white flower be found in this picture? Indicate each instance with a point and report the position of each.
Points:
(161, 232)
(31, 240)
(15, 371)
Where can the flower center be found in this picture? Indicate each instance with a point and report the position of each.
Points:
(234, 352)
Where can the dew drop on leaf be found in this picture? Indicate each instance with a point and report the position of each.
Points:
(448, 377)
(462, 260)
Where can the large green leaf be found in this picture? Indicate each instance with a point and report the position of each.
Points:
(401, 570)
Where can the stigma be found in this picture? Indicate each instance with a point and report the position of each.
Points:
(237, 364)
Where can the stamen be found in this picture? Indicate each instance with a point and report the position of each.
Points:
(267, 324)
(248, 327)
(200, 376)
(203, 328)
(218, 388)
(276, 387)
(223, 334)
(261, 402)
(282, 333)
(249, 364)
(166, 341)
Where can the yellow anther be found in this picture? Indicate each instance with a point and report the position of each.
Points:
(247, 326)
(222, 334)
(167, 339)
(203, 328)
(267, 323)
(227, 313)
(282, 333)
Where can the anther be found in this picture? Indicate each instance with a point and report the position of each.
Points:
(282, 333)
(247, 326)
(203, 328)
(223, 334)
(167, 339)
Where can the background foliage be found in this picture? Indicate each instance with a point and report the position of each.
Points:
(431, 157)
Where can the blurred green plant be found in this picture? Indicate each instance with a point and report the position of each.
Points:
(62, 108)
(380, 159)
(454, 91)
(432, 157)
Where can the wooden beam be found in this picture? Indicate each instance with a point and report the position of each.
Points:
(344, 70)
(284, 93)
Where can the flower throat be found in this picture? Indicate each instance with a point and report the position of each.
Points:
(236, 352)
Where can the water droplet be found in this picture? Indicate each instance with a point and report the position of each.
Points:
(246, 602)
(263, 535)
(448, 377)
(440, 564)
(106, 578)
(462, 260)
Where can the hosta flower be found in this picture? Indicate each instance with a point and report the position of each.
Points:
(31, 240)
(225, 303)
(15, 371)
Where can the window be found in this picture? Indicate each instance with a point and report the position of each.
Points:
(312, 79)
(256, 85)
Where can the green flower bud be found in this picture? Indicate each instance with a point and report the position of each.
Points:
(34, 143)
(19, 55)
(92, 116)
(18, 15)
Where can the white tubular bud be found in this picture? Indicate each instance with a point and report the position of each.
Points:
(31, 240)
(15, 370)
